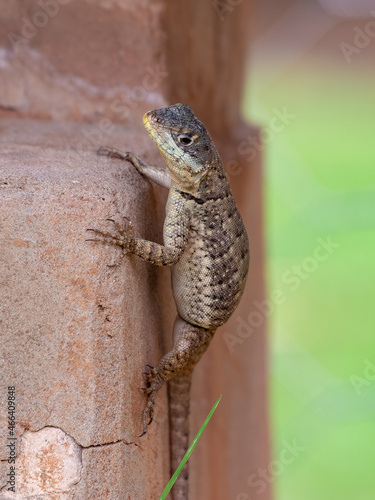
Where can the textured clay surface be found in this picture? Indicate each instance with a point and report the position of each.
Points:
(75, 333)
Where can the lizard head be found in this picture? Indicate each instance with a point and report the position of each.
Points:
(183, 142)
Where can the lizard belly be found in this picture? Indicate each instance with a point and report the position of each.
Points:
(209, 279)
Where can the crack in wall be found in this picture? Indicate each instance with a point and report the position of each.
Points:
(56, 454)
(101, 445)
(83, 447)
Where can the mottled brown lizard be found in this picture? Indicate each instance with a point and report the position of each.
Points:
(205, 243)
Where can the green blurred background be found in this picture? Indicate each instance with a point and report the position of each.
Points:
(319, 185)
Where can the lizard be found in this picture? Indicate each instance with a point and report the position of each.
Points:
(206, 245)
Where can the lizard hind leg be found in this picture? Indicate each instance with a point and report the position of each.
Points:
(189, 345)
(190, 342)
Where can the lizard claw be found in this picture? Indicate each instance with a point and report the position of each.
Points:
(121, 230)
(112, 153)
(123, 238)
(153, 384)
(151, 415)
(103, 151)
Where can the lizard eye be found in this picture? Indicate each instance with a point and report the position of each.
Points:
(185, 139)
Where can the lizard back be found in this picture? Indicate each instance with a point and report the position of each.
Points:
(209, 279)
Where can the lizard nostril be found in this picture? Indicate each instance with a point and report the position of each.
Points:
(149, 116)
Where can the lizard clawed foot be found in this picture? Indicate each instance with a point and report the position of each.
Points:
(153, 383)
(112, 153)
(124, 238)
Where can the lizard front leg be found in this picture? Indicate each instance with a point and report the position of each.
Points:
(159, 255)
(176, 235)
(158, 175)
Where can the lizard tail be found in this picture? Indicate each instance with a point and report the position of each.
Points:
(179, 405)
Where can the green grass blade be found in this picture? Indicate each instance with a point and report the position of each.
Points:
(188, 453)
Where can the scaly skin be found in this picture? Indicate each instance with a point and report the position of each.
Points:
(206, 244)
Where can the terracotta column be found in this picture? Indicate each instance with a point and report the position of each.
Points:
(75, 333)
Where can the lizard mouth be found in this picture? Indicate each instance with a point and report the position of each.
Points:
(146, 118)
(149, 121)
